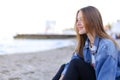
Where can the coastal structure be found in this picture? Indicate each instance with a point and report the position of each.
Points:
(43, 36)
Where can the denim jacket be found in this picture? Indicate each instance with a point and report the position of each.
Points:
(106, 59)
(105, 56)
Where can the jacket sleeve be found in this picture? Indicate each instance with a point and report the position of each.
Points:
(107, 65)
(108, 69)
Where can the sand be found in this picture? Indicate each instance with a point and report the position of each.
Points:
(34, 65)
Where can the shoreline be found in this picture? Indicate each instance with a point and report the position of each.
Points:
(34, 66)
(32, 45)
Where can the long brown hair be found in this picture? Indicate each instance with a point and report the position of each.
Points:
(93, 24)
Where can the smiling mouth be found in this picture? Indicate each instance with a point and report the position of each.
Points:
(80, 28)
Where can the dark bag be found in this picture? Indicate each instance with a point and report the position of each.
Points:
(58, 74)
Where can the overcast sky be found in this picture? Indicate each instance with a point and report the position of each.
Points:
(30, 16)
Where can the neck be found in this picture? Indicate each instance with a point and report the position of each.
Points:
(91, 38)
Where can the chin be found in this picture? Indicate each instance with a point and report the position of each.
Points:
(81, 33)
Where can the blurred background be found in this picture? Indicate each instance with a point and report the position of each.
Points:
(48, 17)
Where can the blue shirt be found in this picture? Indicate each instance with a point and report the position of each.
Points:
(105, 55)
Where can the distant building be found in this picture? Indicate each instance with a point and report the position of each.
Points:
(115, 29)
(50, 26)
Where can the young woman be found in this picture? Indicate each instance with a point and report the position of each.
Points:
(96, 54)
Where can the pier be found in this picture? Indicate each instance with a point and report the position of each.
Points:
(44, 36)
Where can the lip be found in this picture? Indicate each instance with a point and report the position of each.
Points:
(78, 24)
(80, 27)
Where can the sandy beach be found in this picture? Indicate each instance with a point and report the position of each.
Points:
(33, 66)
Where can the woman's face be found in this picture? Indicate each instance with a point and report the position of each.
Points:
(80, 24)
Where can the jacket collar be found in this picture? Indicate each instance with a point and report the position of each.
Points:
(96, 42)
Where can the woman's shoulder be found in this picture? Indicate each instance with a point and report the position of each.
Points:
(105, 41)
(109, 47)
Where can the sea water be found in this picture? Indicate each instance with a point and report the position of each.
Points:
(10, 45)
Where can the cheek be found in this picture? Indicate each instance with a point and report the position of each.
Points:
(82, 31)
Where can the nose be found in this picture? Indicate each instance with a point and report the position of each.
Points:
(79, 22)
